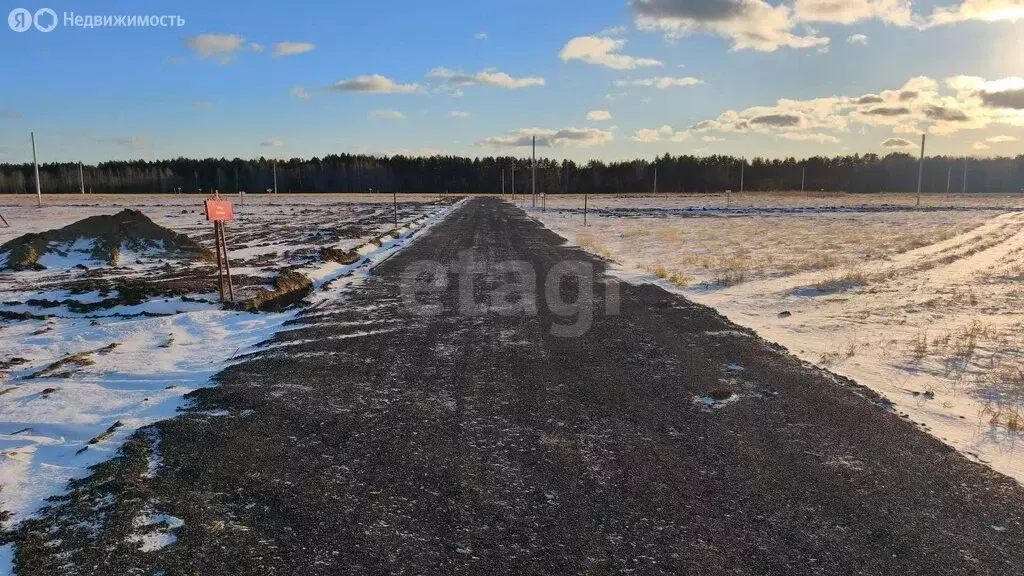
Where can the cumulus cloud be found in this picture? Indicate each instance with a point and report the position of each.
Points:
(272, 143)
(292, 48)
(661, 82)
(896, 12)
(980, 146)
(458, 114)
(489, 77)
(712, 139)
(1001, 139)
(810, 137)
(222, 46)
(373, 84)
(897, 143)
(920, 105)
(664, 133)
(857, 39)
(747, 24)
(386, 115)
(603, 51)
(301, 92)
(599, 115)
(579, 137)
(980, 10)
(480, 36)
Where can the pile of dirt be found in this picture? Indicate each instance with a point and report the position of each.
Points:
(289, 288)
(105, 236)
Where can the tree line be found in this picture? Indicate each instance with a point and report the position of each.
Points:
(896, 172)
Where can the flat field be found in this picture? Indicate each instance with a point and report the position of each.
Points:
(92, 350)
(924, 305)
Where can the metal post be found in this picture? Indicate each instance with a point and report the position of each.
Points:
(81, 179)
(803, 182)
(920, 172)
(584, 209)
(534, 169)
(949, 182)
(35, 163)
(275, 177)
(515, 197)
(502, 183)
(655, 179)
(743, 165)
(394, 194)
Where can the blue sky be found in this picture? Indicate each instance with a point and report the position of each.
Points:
(603, 79)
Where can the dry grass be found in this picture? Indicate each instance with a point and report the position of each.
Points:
(590, 244)
(672, 276)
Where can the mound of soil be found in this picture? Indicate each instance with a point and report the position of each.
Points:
(289, 288)
(108, 235)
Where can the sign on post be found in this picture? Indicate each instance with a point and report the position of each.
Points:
(219, 211)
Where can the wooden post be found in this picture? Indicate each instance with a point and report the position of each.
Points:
(220, 261)
(227, 263)
(81, 179)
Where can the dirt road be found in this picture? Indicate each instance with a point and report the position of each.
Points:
(376, 438)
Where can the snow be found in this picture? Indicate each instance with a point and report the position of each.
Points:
(166, 347)
(155, 531)
(922, 306)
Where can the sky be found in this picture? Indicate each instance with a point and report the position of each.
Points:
(604, 79)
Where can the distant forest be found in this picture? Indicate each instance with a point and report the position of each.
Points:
(895, 172)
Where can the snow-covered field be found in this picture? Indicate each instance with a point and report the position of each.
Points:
(924, 306)
(74, 384)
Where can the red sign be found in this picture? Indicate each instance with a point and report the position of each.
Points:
(219, 210)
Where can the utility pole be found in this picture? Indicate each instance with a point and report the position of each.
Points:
(743, 165)
(920, 172)
(803, 182)
(81, 179)
(275, 177)
(534, 168)
(35, 164)
(655, 179)
(502, 183)
(949, 182)
(514, 195)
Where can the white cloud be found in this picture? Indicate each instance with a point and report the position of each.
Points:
(272, 143)
(1001, 139)
(810, 137)
(980, 146)
(578, 137)
(292, 48)
(896, 12)
(374, 84)
(897, 143)
(603, 51)
(480, 36)
(222, 46)
(255, 47)
(458, 114)
(664, 133)
(386, 115)
(857, 39)
(920, 105)
(489, 77)
(301, 92)
(980, 10)
(747, 24)
(599, 115)
(661, 82)
(712, 139)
